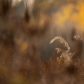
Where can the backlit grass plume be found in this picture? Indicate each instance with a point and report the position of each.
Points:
(66, 54)
(78, 38)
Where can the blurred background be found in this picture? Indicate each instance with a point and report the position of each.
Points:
(26, 29)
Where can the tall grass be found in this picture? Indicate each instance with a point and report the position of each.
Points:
(20, 47)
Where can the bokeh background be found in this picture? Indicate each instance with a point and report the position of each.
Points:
(26, 29)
